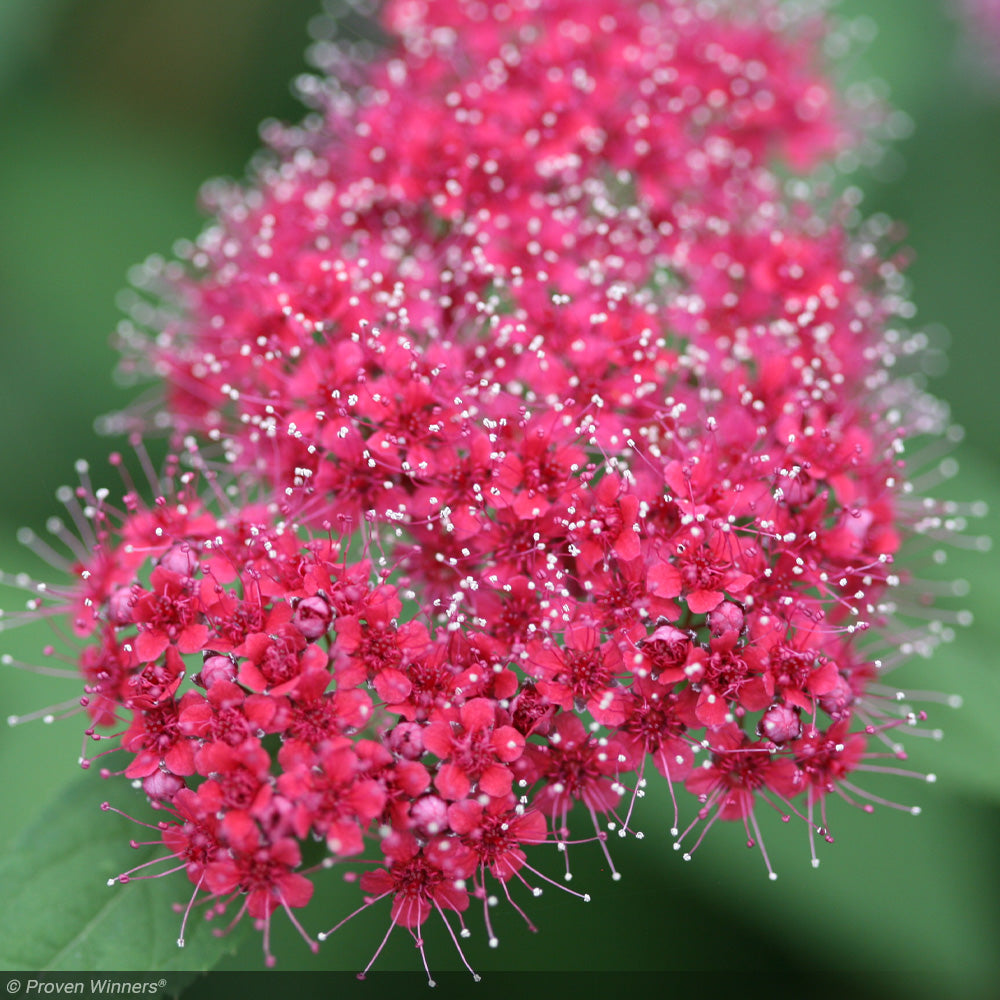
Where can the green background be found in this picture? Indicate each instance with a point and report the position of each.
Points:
(112, 114)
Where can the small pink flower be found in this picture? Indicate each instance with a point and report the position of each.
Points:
(474, 749)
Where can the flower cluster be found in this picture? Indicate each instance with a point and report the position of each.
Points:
(539, 427)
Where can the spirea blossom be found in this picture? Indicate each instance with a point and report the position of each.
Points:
(537, 423)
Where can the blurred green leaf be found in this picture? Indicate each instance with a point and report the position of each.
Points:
(896, 894)
(60, 914)
(36, 759)
(24, 27)
(968, 753)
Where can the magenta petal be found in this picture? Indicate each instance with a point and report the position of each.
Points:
(496, 780)
(344, 838)
(452, 782)
(192, 638)
(711, 709)
(150, 644)
(251, 677)
(222, 877)
(673, 760)
(664, 580)
(608, 708)
(465, 816)
(180, 758)
(196, 719)
(824, 679)
(627, 546)
(296, 890)
(477, 714)
(508, 743)
(393, 686)
(754, 695)
(438, 739)
(737, 582)
(143, 765)
(702, 601)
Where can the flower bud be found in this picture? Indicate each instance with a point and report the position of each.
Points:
(215, 669)
(120, 606)
(430, 815)
(780, 724)
(180, 559)
(312, 617)
(407, 740)
(162, 785)
(836, 702)
(727, 617)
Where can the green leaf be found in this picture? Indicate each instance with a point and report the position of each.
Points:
(25, 27)
(965, 758)
(899, 896)
(59, 913)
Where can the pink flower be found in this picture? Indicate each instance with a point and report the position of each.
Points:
(420, 879)
(474, 750)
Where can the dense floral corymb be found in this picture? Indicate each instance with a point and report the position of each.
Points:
(563, 390)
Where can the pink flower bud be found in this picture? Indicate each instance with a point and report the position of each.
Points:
(312, 617)
(780, 724)
(407, 740)
(215, 669)
(120, 606)
(727, 617)
(430, 815)
(180, 559)
(162, 785)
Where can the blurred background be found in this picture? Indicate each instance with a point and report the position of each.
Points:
(112, 114)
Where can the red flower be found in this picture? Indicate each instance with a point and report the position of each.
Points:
(580, 670)
(421, 879)
(474, 749)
